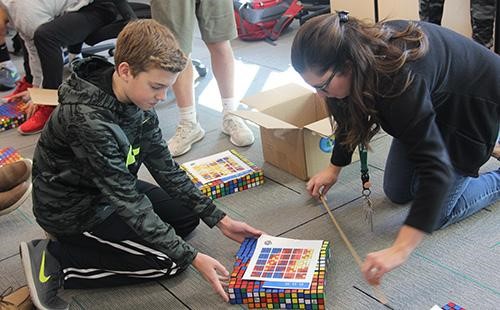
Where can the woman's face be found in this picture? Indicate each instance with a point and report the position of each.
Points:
(331, 84)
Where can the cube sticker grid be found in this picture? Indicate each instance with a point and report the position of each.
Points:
(223, 174)
(12, 115)
(452, 306)
(9, 155)
(255, 295)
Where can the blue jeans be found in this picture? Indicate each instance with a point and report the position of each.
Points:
(467, 195)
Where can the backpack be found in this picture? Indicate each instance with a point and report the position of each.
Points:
(264, 19)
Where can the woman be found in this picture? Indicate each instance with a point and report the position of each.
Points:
(436, 92)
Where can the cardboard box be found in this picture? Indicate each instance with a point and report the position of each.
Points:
(44, 96)
(223, 173)
(295, 128)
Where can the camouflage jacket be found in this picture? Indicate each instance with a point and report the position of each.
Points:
(86, 164)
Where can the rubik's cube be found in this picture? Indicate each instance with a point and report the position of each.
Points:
(9, 155)
(219, 187)
(251, 292)
(11, 115)
(452, 306)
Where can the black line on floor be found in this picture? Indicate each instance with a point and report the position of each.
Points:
(293, 190)
(369, 295)
(6, 258)
(166, 288)
(314, 218)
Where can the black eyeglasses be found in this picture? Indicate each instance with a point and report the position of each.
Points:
(325, 85)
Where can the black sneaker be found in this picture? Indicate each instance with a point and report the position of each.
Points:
(43, 274)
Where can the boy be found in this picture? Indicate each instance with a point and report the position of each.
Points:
(111, 228)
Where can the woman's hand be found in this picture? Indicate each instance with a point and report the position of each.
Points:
(213, 272)
(320, 183)
(379, 263)
(237, 230)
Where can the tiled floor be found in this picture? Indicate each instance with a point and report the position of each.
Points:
(457, 264)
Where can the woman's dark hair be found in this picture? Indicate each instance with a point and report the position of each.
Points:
(374, 53)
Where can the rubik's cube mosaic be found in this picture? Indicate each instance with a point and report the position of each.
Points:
(9, 155)
(223, 174)
(11, 115)
(254, 295)
(452, 306)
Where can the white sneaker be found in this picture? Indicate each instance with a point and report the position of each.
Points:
(186, 134)
(235, 127)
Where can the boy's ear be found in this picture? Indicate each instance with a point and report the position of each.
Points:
(124, 71)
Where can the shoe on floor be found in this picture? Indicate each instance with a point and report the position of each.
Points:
(186, 134)
(235, 127)
(14, 174)
(43, 274)
(21, 85)
(18, 299)
(8, 78)
(13, 198)
(36, 122)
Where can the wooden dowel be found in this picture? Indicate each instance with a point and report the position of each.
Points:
(378, 292)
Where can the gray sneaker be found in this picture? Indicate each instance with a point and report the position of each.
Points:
(43, 274)
(235, 127)
(8, 78)
(186, 134)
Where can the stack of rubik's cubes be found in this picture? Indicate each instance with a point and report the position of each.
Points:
(219, 188)
(11, 115)
(9, 155)
(251, 292)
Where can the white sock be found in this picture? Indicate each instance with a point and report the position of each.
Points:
(228, 105)
(188, 114)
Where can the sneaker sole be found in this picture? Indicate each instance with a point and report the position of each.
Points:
(18, 203)
(25, 259)
(28, 133)
(197, 139)
(239, 145)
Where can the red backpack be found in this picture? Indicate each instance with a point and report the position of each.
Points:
(264, 19)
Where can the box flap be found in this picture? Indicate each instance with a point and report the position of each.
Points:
(323, 127)
(276, 96)
(44, 96)
(264, 120)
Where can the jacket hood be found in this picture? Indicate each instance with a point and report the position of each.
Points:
(81, 86)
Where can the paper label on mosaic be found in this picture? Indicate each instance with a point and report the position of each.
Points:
(284, 263)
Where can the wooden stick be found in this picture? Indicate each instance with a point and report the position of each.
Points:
(378, 292)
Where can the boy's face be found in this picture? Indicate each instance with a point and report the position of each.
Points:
(147, 88)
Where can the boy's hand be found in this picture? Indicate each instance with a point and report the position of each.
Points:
(213, 272)
(237, 230)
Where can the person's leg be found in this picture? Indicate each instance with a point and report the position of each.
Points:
(170, 210)
(482, 14)
(110, 254)
(218, 27)
(68, 29)
(469, 195)
(431, 11)
(400, 179)
(179, 17)
(8, 71)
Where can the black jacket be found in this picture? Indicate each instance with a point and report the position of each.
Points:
(86, 163)
(448, 117)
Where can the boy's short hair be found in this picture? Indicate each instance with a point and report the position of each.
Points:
(146, 44)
